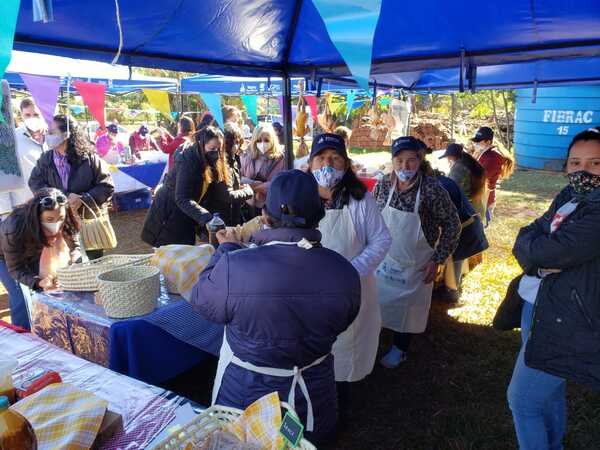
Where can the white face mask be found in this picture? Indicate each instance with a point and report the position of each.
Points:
(34, 124)
(53, 227)
(263, 147)
(328, 176)
(54, 140)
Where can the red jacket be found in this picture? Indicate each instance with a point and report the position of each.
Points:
(492, 162)
(169, 144)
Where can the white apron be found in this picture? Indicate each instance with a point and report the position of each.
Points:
(227, 357)
(404, 298)
(355, 349)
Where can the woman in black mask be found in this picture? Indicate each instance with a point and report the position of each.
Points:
(560, 288)
(196, 187)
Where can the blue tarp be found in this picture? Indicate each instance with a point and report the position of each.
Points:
(270, 37)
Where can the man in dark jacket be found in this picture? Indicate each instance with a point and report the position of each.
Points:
(284, 302)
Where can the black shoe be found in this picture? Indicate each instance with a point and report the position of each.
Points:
(451, 296)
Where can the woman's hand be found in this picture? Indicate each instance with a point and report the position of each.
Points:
(49, 283)
(227, 236)
(430, 271)
(324, 193)
(74, 202)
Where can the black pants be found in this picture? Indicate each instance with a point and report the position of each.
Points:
(94, 254)
(402, 340)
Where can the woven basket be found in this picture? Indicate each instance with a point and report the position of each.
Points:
(212, 419)
(129, 291)
(83, 277)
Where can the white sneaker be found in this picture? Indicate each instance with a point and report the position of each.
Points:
(393, 358)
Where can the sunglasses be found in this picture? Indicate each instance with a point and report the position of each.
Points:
(50, 202)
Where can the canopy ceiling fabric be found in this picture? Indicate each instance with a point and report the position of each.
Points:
(273, 37)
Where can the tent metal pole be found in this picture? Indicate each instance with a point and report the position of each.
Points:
(287, 121)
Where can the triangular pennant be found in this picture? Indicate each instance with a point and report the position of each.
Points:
(44, 91)
(280, 99)
(213, 103)
(9, 10)
(351, 26)
(312, 104)
(350, 102)
(250, 104)
(160, 101)
(93, 96)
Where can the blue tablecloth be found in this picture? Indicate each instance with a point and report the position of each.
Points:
(151, 348)
(148, 173)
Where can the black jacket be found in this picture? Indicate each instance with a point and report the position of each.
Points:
(179, 210)
(565, 336)
(23, 259)
(88, 178)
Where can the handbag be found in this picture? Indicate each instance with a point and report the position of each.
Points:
(97, 232)
(508, 314)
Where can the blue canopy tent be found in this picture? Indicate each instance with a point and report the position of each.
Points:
(288, 37)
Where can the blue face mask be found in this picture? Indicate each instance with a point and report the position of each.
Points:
(328, 177)
(405, 175)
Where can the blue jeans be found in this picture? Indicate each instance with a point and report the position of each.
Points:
(537, 400)
(18, 308)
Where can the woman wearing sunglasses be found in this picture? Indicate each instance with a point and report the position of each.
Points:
(38, 238)
(261, 162)
(73, 167)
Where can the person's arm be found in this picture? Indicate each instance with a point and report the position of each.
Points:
(172, 145)
(38, 179)
(446, 216)
(492, 163)
(103, 186)
(210, 294)
(188, 190)
(240, 195)
(378, 238)
(279, 167)
(14, 252)
(246, 170)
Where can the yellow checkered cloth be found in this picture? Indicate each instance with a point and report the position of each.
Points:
(259, 423)
(63, 416)
(181, 265)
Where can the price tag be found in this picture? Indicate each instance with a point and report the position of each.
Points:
(291, 429)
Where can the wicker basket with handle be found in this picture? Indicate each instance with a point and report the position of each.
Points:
(129, 291)
(84, 277)
(210, 420)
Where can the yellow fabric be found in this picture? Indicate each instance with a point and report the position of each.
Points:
(259, 423)
(63, 416)
(159, 100)
(181, 265)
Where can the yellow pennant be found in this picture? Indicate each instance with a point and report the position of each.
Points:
(159, 100)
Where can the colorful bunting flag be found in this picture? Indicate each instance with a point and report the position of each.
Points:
(9, 10)
(312, 104)
(351, 26)
(213, 103)
(76, 109)
(384, 100)
(93, 96)
(44, 91)
(250, 104)
(350, 102)
(160, 101)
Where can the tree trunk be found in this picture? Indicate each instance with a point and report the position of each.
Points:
(500, 134)
(509, 124)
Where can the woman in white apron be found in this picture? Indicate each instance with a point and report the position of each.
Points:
(425, 228)
(353, 227)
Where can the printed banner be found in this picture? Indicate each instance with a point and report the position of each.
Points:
(93, 95)
(160, 101)
(44, 91)
(351, 26)
(250, 104)
(11, 174)
(213, 103)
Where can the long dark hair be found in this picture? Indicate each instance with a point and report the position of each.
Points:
(591, 134)
(206, 120)
(478, 176)
(233, 136)
(187, 126)
(30, 230)
(78, 143)
(221, 171)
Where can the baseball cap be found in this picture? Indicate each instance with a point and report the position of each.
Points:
(407, 143)
(293, 198)
(327, 141)
(453, 150)
(112, 128)
(483, 134)
(143, 130)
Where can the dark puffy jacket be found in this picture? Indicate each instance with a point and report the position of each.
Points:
(472, 237)
(565, 336)
(88, 178)
(284, 306)
(180, 211)
(23, 259)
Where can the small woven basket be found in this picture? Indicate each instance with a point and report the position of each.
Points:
(129, 291)
(84, 277)
(204, 424)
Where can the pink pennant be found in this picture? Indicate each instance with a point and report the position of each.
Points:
(93, 96)
(312, 104)
(280, 98)
(44, 91)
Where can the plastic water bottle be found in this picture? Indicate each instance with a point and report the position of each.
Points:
(127, 154)
(214, 226)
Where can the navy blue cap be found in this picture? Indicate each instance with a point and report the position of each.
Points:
(407, 143)
(143, 130)
(484, 134)
(453, 150)
(327, 141)
(112, 128)
(293, 198)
